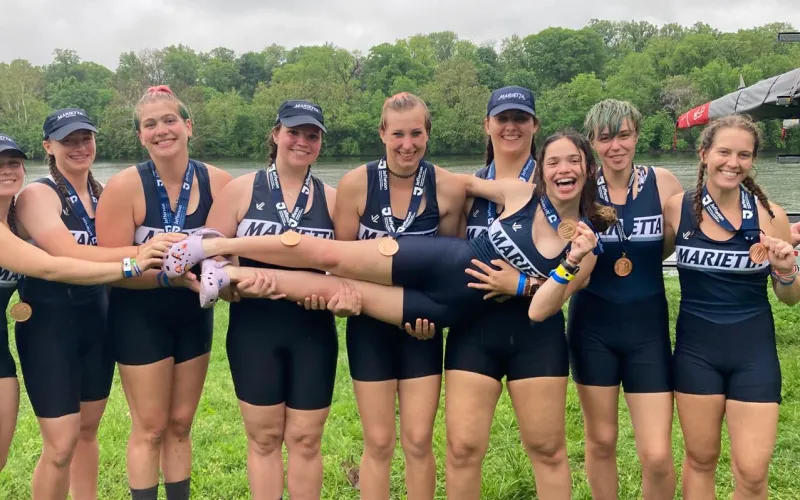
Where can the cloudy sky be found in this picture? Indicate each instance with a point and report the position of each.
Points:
(99, 30)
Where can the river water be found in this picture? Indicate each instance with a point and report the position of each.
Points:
(780, 182)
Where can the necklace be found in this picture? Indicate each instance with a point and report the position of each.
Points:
(402, 176)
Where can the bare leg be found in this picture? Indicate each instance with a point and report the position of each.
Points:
(701, 422)
(187, 385)
(148, 389)
(600, 415)
(384, 303)
(84, 468)
(753, 429)
(303, 437)
(540, 405)
(264, 426)
(376, 405)
(419, 400)
(652, 429)
(9, 395)
(358, 260)
(59, 438)
(470, 402)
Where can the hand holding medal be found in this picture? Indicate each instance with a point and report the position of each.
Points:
(583, 241)
(778, 252)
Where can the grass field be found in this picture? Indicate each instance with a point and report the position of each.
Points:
(220, 445)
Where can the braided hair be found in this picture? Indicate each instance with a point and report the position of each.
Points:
(743, 122)
(55, 173)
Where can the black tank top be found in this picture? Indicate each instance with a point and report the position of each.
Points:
(718, 280)
(511, 239)
(262, 218)
(644, 248)
(371, 223)
(52, 292)
(152, 223)
(8, 283)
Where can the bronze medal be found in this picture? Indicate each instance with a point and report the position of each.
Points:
(567, 229)
(758, 253)
(21, 312)
(388, 247)
(290, 238)
(623, 266)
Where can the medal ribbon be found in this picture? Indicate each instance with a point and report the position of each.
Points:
(80, 211)
(386, 203)
(173, 222)
(624, 233)
(525, 175)
(747, 204)
(288, 220)
(554, 219)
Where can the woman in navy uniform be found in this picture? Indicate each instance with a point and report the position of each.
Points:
(282, 357)
(161, 336)
(618, 326)
(729, 239)
(376, 200)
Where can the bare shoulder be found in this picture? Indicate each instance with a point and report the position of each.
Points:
(354, 178)
(121, 181)
(217, 175)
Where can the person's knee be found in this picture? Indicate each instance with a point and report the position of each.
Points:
(466, 450)
(751, 475)
(417, 443)
(379, 443)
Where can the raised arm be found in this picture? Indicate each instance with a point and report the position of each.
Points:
(511, 193)
(556, 290)
(778, 240)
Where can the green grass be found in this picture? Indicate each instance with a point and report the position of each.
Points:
(220, 446)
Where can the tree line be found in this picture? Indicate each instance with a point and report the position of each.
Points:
(665, 70)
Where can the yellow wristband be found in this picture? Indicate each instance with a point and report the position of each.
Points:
(562, 272)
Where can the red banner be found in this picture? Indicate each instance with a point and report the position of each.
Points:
(693, 117)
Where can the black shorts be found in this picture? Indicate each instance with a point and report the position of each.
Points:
(504, 342)
(431, 272)
(8, 369)
(65, 355)
(280, 353)
(378, 351)
(611, 343)
(151, 325)
(739, 360)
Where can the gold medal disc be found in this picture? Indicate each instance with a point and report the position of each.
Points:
(21, 312)
(567, 229)
(388, 247)
(623, 266)
(290, 238)
(758, 253)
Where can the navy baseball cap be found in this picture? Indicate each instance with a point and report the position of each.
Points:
(511, 98)
(9, 144)
(295, 113)
(65, 121)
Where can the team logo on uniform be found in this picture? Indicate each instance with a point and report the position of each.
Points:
(260, 206)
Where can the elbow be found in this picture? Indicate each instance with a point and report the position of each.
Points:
(51, 270)
(538, 314)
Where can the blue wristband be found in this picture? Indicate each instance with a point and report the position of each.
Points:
(557, 278)
(521, 284)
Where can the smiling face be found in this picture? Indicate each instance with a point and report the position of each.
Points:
(12, 174)
(298, 147)
(405, 136)
(162, 130)
(511, 132)
(730, 157)
(617, 152)
(73, 153)
(563, 170)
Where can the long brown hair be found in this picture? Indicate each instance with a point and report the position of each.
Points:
(55, 173)
(743, 122)
(601, 216)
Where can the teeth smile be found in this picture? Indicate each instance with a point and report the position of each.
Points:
(729, 175)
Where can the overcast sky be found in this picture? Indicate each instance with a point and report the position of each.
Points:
(99, 30)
